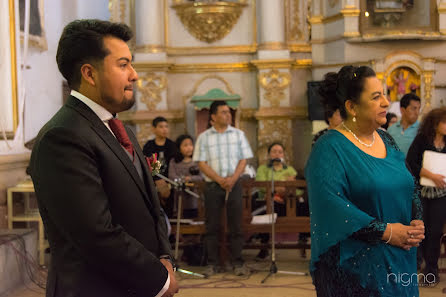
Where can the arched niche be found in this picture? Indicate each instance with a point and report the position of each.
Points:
(412, 67)
(197, 102)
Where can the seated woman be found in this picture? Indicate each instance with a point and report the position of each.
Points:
(181, 167)
(281, 172)
(431, 137)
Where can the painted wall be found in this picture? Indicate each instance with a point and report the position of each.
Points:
(42, 78)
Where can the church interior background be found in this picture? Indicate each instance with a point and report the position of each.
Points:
(259, 55)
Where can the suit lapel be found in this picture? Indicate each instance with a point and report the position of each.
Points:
(153, 197)
(99, 127)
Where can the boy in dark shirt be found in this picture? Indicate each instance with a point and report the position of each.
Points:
(165, 150)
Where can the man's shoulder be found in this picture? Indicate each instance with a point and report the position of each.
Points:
(394, 129)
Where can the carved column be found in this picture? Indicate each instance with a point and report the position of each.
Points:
(275, 113)
(149, 26)
(351, 13)
(427, 80)
(272, 25)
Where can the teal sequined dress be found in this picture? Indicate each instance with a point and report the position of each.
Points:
(352, 197)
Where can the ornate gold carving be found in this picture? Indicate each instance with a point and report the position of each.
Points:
(351, 34)
(151, 85)
(271, 130)
(428, 87)
(209, 22)
(212, 67)
(273, 45)
(12, 35)
(151, 66)
(247, 114)
(350, 12)
(302, 63)
(273, 63)
(201, 80)
(144, 133)
(193, 51)
(299, 48)
(292, 20)
(274, 83)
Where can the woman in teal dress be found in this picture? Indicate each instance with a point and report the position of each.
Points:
(364, 207)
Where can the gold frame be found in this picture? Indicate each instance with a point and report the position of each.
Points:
(428, 30)
(13, 57)
(210, 50)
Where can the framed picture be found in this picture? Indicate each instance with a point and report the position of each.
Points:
(8, 73)
(37, 36)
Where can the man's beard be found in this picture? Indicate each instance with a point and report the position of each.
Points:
(124, 105)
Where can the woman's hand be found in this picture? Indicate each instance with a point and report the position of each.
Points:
(438, 179)
(403, 236)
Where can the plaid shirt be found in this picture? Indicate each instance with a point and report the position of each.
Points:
(222, 151)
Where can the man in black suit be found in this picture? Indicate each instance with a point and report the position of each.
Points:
(94, 188)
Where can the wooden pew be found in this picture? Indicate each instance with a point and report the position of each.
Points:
(290, 223)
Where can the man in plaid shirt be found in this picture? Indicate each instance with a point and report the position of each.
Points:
(221, 152)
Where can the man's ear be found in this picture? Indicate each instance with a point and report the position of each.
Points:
(89, 74)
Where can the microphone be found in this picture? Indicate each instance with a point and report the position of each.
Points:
(276, 160)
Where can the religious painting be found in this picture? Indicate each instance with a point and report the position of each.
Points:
(394, 17)
(402, 80)
(37, 36)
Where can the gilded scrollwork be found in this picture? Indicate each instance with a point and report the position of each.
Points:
(427, 77)
(209, 22)
(144, 133)
(295, 32)
(151, 86)
(274, 130)
(274, 83)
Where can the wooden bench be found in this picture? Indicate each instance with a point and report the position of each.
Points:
(290, 223)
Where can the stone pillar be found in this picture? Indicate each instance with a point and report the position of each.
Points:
(272, 43)
(351, 14)
(427, 84)
(272, 20)
(149, 26)
(275, 113)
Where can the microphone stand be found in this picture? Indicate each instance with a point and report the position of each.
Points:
(181, 187)
(273, 268)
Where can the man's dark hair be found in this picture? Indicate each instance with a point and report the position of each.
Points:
(405, 101)
(81, 42)
(214, 106)
(158, 120)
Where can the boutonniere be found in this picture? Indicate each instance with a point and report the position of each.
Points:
(154, 164)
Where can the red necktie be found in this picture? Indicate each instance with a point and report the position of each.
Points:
(118, 129)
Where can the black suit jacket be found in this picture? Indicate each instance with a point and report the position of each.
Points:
(102, 220)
